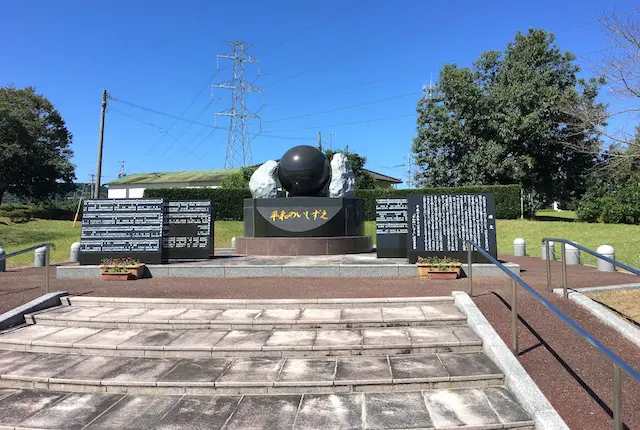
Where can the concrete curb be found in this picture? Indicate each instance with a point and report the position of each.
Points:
(278, 270)
(609, 318)
(517, 379)
(15, 316)
(253, 303)
(619, 287)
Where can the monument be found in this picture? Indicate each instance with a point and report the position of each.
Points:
(435, 225)
(151, 230)
(391, 228)
(319, 216)
(440, 224)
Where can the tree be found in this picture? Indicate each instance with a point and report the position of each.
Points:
(364, 180)
(34, 146)
(239, 179)
(503, 122)
(619, 66)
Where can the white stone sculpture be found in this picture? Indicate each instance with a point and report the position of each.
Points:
(343, 181)
(263, 183)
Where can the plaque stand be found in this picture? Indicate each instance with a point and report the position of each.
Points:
(303, 226)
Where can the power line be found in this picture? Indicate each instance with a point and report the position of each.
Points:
(308, 29)
(118, 111)
(163, 113)
(374, 81)
(383, 43)
(270, 136)
(346, 123)
(413, 93)
(197, 96)
(209, 103)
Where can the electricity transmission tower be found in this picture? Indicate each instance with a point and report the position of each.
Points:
(239, 145)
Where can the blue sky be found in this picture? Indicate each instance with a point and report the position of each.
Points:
(315, 57)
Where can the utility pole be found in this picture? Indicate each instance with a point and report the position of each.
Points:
(92, 190)
(319, 141)
(96, 190)
(121, 173)
(239, 144)
(409, 170)
(331, 136)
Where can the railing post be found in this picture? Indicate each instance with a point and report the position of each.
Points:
(469, 269)
(514, 317)
(564, 270)
(46, 270)
(546, 244)
(617, 399)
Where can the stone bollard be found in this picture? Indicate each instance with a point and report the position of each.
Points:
(552, 251)
(572, 254)
(607, 251)
(3, 263)
(40, 256)
(233, 242)
(73, 253)
(519, 247)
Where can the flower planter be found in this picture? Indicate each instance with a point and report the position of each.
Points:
(443, 274)
(116, 276)
(136, 271)
(425, 270)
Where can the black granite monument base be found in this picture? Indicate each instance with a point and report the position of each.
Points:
(304, 217)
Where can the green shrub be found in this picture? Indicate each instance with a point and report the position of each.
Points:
(590, 210)
(228, 203)
(60, 211)
(619, 207)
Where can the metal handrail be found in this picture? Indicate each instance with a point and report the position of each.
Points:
(46, 259)
(563, 253)
(618, 363)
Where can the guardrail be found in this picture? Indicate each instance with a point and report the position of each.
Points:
(48, 245)
(618, 363)
(563, 255)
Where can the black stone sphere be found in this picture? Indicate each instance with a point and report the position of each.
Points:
(303, 171)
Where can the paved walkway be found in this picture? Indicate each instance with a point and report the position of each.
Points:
(573, 375)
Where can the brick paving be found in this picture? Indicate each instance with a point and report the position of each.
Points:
(574, 376)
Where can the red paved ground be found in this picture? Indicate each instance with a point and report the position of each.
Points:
(573, 375)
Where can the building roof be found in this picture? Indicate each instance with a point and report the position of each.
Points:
(164, 177)
(380, 177)
(195, 176)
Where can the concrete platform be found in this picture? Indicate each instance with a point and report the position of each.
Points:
(227, 265)
(479, 408)
(247, 375)
(256, 317)
(209, 343)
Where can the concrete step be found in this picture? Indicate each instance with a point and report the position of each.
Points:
(478, 408)
(178, 318)
(134, 302)
(240, 375)
(259, 343)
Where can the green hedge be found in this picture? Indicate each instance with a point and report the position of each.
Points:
(507, 197)
(227, 203)
(24, 212)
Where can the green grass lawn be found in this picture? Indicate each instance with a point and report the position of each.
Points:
(18, 236)
(553, 214)
(624, 238)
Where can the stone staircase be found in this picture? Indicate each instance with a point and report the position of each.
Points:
(251, 364)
